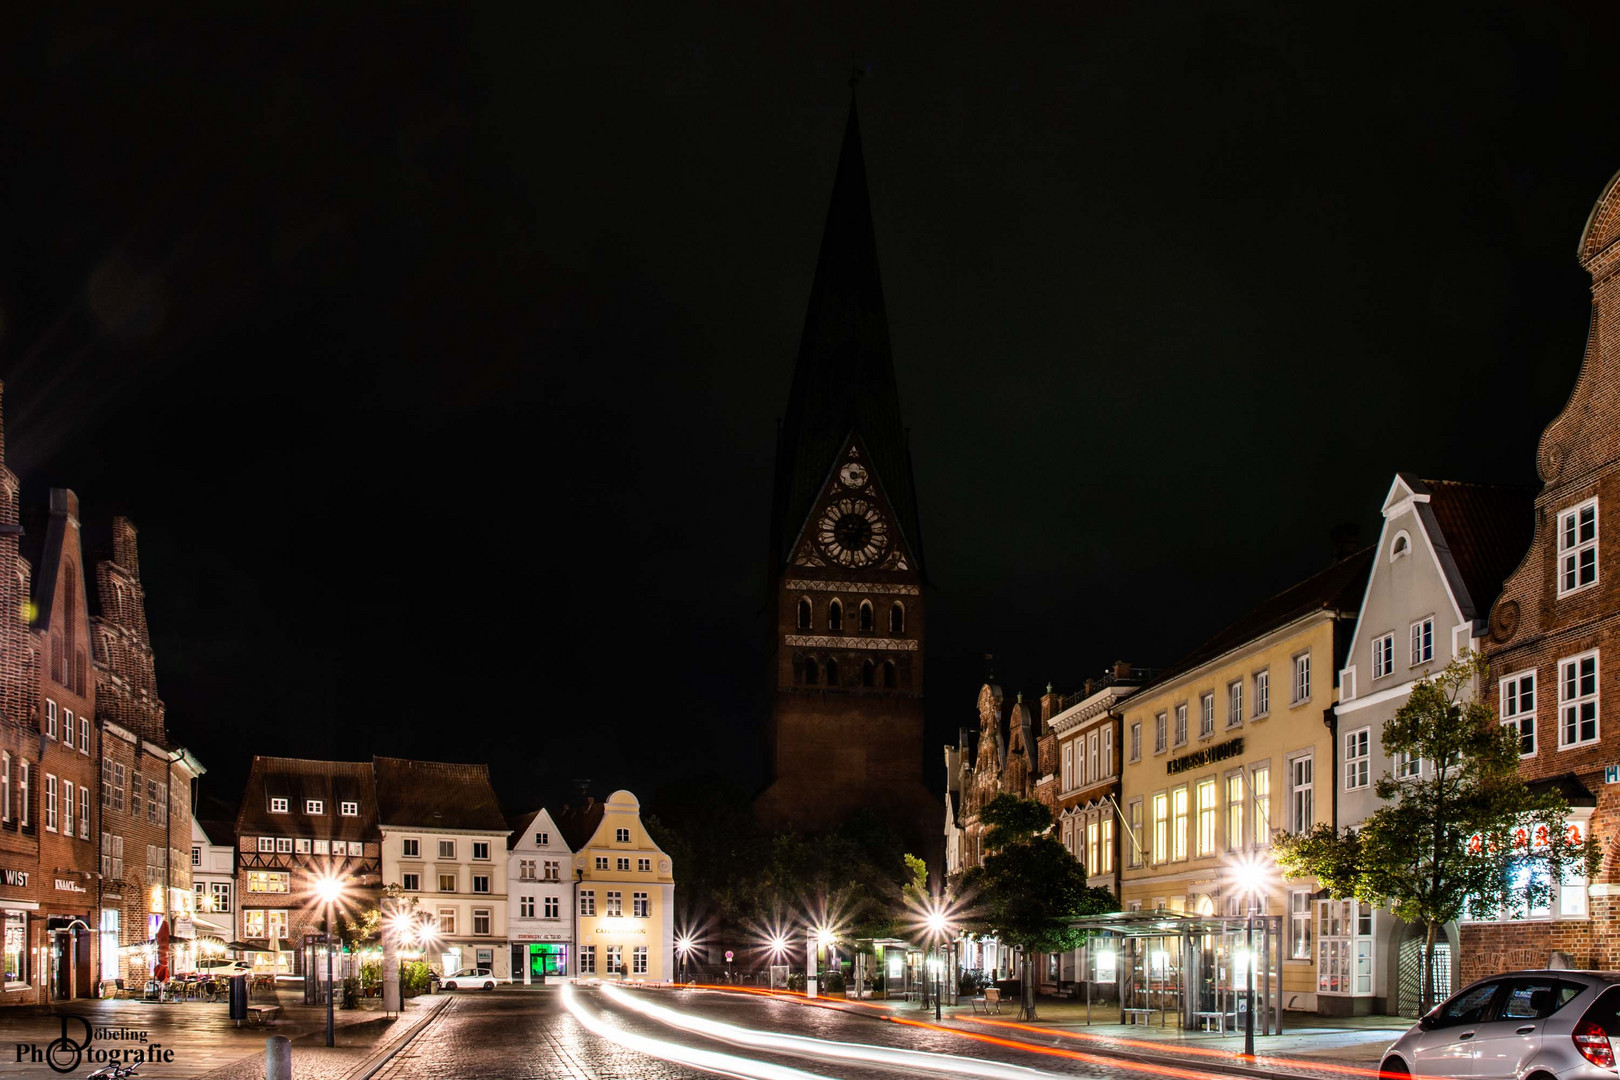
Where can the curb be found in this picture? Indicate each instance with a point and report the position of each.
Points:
(383, 1055)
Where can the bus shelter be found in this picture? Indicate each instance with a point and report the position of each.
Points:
(1188, 970)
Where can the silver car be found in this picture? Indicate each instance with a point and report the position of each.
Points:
(1524, 1025)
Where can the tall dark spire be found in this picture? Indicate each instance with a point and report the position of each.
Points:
(844, 380)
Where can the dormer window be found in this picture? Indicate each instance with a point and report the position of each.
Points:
(350, 809)
(278, 806)
(1401, 546)
(314, 807)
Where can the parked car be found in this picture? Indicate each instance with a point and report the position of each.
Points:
(1524, 1025)
(226, 968)
(473, 978)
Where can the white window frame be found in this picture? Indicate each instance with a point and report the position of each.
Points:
(1209, 815)
(84, 812)
(1407, 767)
(315, 807)
(1161, 732)
(1511, 709)
(1134, 823)
(1108, 751)
(349, 809)
(1299, 925)
(1262, 694)
(411, 881)
(1298, 819)
(1068, 765)
(1423, 641)
(1383, 655)
(1237, 815)
(1206, 714)
(621, 836)
(67, 807)
(410, 847)
(24, 792)
(1572, 546)
(84, 735)
(1179, 733)
(1568, 705)
(67, 728)
(1300, 687)
(278, 806)
(50, 802)
(447, 849)
(50, 719)
(1358, 759)
(5, 786)
(1136, 741)
(1234, 703)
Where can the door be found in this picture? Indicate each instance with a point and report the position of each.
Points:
(1446, 1047)
(1505, 1045)
(1410, 987)
(61, 965)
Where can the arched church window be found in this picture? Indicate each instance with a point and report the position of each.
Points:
(897, 618)
(888, 674)
(835, 615)
(868, 673)
(804, 613)
(832, 672)
(812, 672)
(866, 615)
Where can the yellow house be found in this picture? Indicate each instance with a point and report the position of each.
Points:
(1233, 744)
(624, 904)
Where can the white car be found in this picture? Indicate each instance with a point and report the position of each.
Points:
(473, 978)
(226, 968)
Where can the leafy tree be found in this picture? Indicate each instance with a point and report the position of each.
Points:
(1029, 888)
(1467, 832)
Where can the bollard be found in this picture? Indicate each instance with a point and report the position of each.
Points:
(278, 1058)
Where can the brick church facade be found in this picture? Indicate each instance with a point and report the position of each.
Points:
(1555, 637)
(846, 559)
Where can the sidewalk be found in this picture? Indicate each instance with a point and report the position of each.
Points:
(203, 1040)
(1307, 1039)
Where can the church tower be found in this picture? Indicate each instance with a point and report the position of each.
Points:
(846, 556)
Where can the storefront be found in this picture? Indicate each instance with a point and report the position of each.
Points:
(21, 930)
(534, 962)
(69, 940)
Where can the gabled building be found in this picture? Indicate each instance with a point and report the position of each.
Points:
(213, 877)
(302, 821)
(624, 923)
(69, 760)
(1441, 556)
(146, 782)
(1555, 637)
(444, 842)
(540, 899)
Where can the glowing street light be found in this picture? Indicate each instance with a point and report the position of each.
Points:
(683, 946)
(329, 890)
(1249, 876)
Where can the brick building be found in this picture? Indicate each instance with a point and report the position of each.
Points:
(21, 926)
(846, 556)
(146, 898)
(69, 761)
(301, 821)
(1555, 636)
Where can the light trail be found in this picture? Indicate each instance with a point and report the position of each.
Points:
(1257, 1062)
(861, 1053)
(707, 1060)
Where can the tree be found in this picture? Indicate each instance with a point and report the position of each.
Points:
(1029, 888)
(1466, 834)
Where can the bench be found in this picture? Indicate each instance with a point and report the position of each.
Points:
(1216, 1019)
(989, 999)
(1138, 1016)
(263, 1014)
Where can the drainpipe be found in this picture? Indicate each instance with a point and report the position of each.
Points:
(579, 876)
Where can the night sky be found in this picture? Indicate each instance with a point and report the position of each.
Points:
(437, 351)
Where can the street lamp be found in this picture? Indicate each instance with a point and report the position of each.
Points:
(329, 889)
(1249, 876)
(937, 924)
(683, 946)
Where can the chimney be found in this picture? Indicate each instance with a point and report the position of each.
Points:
(1051, 705)
(1122, 670)
(1346, 540)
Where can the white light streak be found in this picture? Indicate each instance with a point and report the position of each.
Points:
(921, 1061)
(707, 1060)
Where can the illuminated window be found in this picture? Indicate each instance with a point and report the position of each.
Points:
(1207, 817)
(1178, 823)
(613, 903)
(269, 881)
(1260, 786)
(1161, 828)
(1235, 837)
(447, 883)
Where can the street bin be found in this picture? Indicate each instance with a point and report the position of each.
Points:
(239, 997)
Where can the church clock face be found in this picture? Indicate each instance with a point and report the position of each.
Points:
(852, 533)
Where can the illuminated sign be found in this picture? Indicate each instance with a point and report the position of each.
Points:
(16, 878)
(64, 885)
(1207, 756)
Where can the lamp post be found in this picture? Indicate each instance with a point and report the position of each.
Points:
(937, 927)
(683, 945)
(329, 889)
(1250, 877)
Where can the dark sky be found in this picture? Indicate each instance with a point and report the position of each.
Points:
(437, 351)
